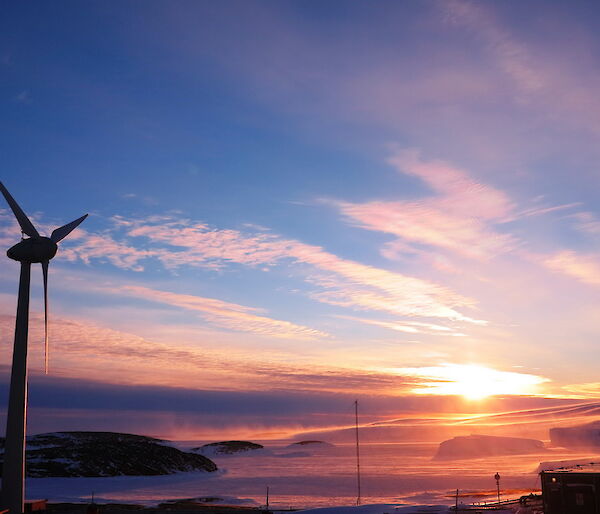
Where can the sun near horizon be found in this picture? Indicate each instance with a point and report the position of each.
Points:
(473, 381)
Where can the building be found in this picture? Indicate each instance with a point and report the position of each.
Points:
(571, 492)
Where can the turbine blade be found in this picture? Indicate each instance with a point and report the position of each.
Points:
(60, 233)
(45, 273)
(26, 225)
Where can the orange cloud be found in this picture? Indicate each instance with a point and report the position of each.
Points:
(80, 349)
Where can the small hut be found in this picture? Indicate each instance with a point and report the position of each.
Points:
(571, 491)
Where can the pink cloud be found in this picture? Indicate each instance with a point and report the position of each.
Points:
(585, 268)
(430, 224)
(399, 295)
(458, 191)
(460, 218)
(103, 247)
(225, 314)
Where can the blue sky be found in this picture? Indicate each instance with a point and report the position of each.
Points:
(396, 195)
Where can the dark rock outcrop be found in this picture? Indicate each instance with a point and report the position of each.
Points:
(104, 454)
(310, 443)
(227, 447)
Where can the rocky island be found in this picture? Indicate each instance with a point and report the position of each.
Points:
(311, 444)
(475, 446)
(106, 454)
(227, 448)
(580, 436)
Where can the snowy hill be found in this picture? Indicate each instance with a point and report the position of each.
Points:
(103, 454)
(475, 446)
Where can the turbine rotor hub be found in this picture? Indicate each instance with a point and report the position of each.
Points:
(33, 249)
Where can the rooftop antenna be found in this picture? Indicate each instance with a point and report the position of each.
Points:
(29, 250)
(357, 453)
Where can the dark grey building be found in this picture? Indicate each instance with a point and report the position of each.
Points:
(571, 492)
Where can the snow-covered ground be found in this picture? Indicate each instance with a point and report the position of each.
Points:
(392, 474)
(589, 464)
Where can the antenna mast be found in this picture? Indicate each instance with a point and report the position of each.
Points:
(357, 453)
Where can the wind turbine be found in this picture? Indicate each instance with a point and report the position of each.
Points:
(30, 250)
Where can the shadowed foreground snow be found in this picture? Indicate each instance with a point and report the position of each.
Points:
(386, 508)
(381, 508)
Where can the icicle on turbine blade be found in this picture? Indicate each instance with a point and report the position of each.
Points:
(60, 233)
(26, 225)
(45, 274)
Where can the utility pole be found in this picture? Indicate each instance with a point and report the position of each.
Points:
(357, 453)
(497, 477)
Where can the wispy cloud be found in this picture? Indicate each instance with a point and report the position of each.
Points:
(103, 247)
(177, 242)
(459, 218)
(409, 327)
(587, 222)
(583, 267)
(458, 191)
(541, 210)
(80, 349)
(538, 73)
(585, 390)
(225, 314)
(512, 56)
(24, 97)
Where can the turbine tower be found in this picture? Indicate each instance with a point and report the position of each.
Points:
(30, 250)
